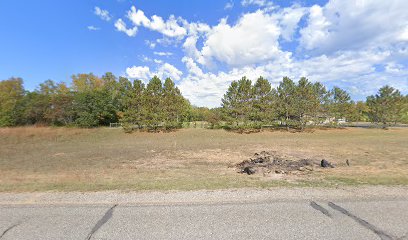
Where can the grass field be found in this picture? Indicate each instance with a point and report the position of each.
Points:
(64, 159)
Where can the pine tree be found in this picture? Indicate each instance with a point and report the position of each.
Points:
(237, 102)
(306, 102)
(386, 106)
(341, 103)
(133, 107)
(263, 101)
(286, 101)
(153, 104)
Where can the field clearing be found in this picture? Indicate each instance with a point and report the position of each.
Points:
(70, 159)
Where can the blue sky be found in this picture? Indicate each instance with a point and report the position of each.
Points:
(203, 45)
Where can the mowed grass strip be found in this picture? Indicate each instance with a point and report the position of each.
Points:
(70, 159)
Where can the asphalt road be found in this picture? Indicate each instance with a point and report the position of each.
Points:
(331, 217)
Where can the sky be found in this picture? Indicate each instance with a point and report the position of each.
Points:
(204, 45)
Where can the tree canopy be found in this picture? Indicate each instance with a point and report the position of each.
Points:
(91, 101)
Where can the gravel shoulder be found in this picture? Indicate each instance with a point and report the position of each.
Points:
(205, 196)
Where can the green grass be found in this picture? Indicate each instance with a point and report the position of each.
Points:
(69, 159)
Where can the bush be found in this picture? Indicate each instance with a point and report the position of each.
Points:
(87, 120)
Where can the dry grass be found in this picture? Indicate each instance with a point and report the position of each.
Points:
(40, 159)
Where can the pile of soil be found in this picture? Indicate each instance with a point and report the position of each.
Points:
(273, 162)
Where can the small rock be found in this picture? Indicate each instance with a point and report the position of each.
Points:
(249, 170)
(326, 164)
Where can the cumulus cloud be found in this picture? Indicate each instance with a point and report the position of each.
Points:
(351, 25)
(167, 70)
(103, 14)
(120, 25)
(170, 27)
(357, 45)
(207, 88)
(289, 19)
(163, 71)
(138, 72)
(253, 39)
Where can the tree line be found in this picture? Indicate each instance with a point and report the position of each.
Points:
(297, 104)
(91, 101)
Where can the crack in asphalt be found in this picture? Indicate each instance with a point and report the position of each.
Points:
(8, 229)
(321, 209)
(364, 223)
(101, 222)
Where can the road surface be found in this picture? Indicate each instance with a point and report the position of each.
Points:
(369, 213)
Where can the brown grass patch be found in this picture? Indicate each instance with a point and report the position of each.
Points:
(68, 159)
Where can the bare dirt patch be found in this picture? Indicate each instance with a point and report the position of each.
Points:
(272, 162)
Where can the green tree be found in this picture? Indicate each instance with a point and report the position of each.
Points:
(153, 104)
(35, 106)
(125, 92)
(286, 99)
(11, 97)
(386, 106)
(133, 107)
(95, 101)
(341, 103)
(404, 111)
(38, 103)
(86, 82)
(358, 112)
(61, 111)
(237, 101)
(174, 104)
(324, 103)
(306, 102)
(263, 101)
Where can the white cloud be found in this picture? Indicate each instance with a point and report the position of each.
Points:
(252, 40)
(121, 27)
(151, 44)
(145, 59)
(93, 28)
(163, 53)
(259, 3)
(359, 45)
(289, 19)
(229, 5)
(264, 4)
(317, 30)
(352, 25)
(169, 28)
(395, 68)
(103, 14)
(167, 70)
(207, 88)
(163, 71)
(139, 72)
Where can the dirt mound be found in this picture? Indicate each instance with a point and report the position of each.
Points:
(273, 162)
